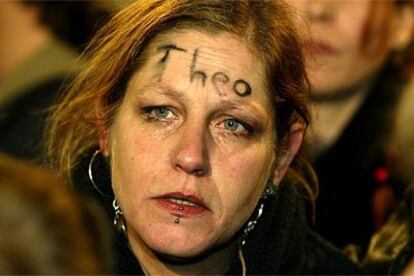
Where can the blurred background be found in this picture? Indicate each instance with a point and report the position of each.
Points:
(360, 62)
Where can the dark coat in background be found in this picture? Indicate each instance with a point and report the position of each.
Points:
(27, 93)
(22, 121)
(355, 168)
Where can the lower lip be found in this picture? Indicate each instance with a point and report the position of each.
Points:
(180, 209)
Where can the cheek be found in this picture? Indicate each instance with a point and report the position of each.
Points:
(352, 32)
(250, 163)
(130, 155)
(240, 180)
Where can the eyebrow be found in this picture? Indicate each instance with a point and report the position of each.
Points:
(232, 104)
(240, 104)
(161, 89)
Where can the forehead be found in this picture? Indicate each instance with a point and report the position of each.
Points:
(221, 46)
(176, 57)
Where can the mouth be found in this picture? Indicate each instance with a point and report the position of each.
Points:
(183, 202)
(318, 48)
(182, 205)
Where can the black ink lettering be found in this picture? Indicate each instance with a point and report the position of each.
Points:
(163, 60)
(167, 49)
(242, 88)
(197, 74)
(217, 79)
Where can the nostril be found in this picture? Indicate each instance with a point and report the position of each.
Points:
(200, 172)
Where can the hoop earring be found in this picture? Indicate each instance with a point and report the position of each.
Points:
(119, 220)
(270, 191)
(90, 172)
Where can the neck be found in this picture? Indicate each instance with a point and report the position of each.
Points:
(214, 263)
(21, 35)
(332, 116)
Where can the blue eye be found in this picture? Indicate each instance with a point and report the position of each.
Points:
(160, 113)
(236, 127)
(231, 125)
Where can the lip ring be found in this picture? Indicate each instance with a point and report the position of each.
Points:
(181, 210)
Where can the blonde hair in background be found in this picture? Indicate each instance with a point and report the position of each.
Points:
(403, 135)
(45, 228)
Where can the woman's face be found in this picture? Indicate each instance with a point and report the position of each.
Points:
(193, 139)
(336, 60)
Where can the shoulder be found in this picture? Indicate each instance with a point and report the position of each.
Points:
(22, 120)
(325, 258)
(282, 242)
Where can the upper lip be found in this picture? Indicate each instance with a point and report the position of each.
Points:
(189, 197)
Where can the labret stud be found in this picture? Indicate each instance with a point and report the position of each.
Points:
(177, 220)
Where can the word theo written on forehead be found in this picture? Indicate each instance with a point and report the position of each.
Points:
(219, 79)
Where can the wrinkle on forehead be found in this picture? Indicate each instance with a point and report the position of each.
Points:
(247, 56)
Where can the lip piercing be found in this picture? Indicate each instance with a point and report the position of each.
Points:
(177, 220)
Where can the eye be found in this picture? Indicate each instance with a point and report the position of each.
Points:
(236, 127)
(160, 113)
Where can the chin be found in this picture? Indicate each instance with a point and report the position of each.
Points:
(186, 255)
(322, 87)
(180, 254)
(188, 239)
(179, 243)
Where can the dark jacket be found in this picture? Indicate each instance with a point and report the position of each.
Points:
(355, 167)
(26, 94)
(22, 120)
(281, 243)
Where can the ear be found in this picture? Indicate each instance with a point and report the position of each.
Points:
(403, 27)
(104, 141)
(296, 134)
(103, 133)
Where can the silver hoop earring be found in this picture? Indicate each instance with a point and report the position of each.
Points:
(90, 172)
(119, 220)
(251, 224)
(269, 191)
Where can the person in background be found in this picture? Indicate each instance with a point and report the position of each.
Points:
(38, 51)
(391, 249)
(45, 228)
(197, 108)
(357, 55)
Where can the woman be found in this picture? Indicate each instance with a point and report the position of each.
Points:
(357, 55)
(199, 109)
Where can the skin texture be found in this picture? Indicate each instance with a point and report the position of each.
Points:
(336, 58)
(180, 129)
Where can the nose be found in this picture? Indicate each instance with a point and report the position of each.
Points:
(319, 10)
(191, 152)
